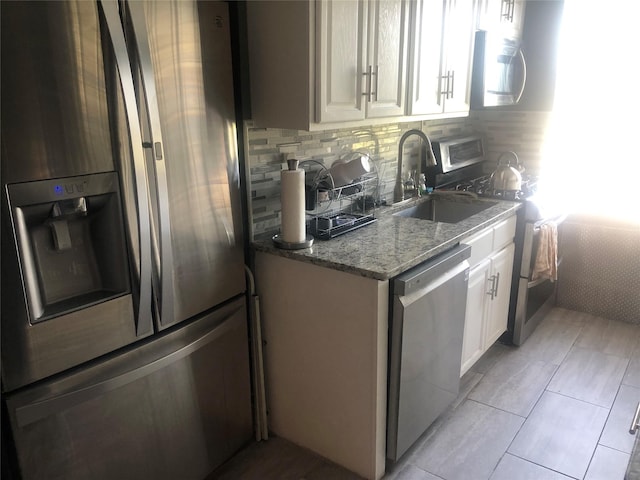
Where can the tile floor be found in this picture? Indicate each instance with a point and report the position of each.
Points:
(559, 407)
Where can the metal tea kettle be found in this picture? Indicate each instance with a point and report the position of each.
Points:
(507, 177)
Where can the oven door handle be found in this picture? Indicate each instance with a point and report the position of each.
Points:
(531, 230)
(537, 282)
(557, 220)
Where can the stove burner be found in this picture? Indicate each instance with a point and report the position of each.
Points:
(482, 187)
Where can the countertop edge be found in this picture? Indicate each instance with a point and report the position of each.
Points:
(320, 252)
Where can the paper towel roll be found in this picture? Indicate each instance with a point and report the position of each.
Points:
(292, 200)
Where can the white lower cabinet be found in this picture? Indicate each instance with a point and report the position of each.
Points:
(473, 340)
(325, 360)
(498, 295)
(489, 290)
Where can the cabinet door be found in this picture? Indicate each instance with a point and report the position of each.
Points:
(176, 407)
(500, 279)
(490, 14)
(458, 45)
(341, 36)
(387, 55)
(516, 17)
(506, 15)
(477, 303)
(426, 47)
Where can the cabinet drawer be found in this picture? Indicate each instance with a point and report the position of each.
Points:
(481, 246)
(504, 232)
(490, 240)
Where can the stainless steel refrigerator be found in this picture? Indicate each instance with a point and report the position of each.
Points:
(124, 327)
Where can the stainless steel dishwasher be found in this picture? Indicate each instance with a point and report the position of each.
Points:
(427, 324)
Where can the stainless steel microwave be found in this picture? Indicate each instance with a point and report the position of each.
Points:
(499, 70)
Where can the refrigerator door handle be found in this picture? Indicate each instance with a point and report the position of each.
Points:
(144, 366)
(143, 315)
(164, 261)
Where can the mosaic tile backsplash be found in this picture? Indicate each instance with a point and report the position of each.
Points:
(519, 132)
(600, 271)
(267, 149)
(599, 274)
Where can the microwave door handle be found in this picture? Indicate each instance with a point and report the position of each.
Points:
(523, 65)
(164, 261)
(111, 13)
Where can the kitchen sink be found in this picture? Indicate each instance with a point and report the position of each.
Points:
(445, 210)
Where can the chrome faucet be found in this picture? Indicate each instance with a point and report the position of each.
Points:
(398, 192)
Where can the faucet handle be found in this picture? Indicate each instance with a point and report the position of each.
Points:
(422, 185)
(410, 180)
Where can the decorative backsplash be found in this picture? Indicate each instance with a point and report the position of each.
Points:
(520, 132)
(599, 272)
(267, 149)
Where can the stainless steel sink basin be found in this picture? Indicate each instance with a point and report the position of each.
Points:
(445, 210)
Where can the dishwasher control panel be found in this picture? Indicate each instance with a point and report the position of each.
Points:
(416, 278)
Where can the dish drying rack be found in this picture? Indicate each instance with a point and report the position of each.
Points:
(335, 210)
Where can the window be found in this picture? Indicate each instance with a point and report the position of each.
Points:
(592, 149)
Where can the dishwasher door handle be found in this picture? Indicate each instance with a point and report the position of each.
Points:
(416, 278)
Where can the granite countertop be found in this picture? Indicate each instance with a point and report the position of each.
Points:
(392, 244)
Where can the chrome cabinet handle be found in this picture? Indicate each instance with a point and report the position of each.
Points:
(495, 281)
(448, 77)
(143, 271)
(635, 423)
(492, 291)
(376, 73)
(448, 83)
(371, 92)
(445, 91)
(369, 75)
(452, 75)
(508, 14)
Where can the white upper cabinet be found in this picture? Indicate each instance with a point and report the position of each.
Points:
(426, 47)
(504, 15)
(458, 51)
(442, 47)
(362, 50)
(342, 61)
(387, 41)
(314, 64)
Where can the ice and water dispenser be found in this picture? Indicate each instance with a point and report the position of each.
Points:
(70, 241)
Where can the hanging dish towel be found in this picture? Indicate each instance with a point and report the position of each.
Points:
(546, 265)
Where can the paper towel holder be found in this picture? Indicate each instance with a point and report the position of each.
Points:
(280, 243)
